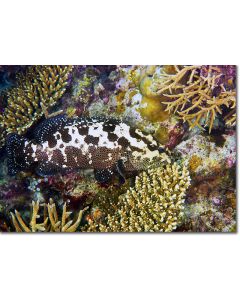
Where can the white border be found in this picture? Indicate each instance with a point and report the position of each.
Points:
(144, 266)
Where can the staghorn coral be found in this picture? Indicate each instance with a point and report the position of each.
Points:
(154, 204)
(197, 94)
(36, 91)
(51, 221)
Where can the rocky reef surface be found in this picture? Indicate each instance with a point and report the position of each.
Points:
(189, 110)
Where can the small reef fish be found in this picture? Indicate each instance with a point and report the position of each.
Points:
(63, 144)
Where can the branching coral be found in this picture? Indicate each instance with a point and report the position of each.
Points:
(51, 221)
(36, 91)
(154, 204)
(198, 93)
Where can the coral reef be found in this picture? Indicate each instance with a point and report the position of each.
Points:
(51, 221)
(206, 216)
(37, 90)
(90, 85)
(211, 199)
(74, 188)
(13, 192)
(154, 204)
(132, 99)
(206, 158)
(189, 110)
(135, 101)
(151, 108)
(8, 76)
(198, 95)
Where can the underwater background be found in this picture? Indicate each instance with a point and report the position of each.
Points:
(189, 111)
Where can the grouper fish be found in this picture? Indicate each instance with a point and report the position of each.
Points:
(62, 144)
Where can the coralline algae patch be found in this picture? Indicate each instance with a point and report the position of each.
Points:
(205, 216)
(205, 158)
(211, 200)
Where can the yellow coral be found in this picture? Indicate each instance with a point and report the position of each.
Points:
(151, 107)
(194, 162)
(190, 95)
(162, 134)
(154, 204)
(152, 110)
(51, 221)
(36, 91)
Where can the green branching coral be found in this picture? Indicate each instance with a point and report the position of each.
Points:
(36, 91)
(50, 221)
(197, 95)
(154, 204)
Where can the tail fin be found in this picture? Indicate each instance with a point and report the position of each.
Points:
(16, 153)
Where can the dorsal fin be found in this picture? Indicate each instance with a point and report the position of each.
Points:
(49, 126)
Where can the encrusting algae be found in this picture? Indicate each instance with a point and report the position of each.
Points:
(51, 221)
(154, 204)
(36, 91)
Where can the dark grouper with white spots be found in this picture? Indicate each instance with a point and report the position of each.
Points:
(61, 144)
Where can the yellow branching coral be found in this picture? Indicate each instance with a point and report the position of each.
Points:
(194, 97)
(154, 204)
(36, 91)
(51, 221)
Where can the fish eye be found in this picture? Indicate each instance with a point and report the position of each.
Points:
(161, 150)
